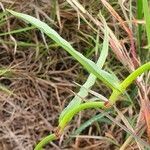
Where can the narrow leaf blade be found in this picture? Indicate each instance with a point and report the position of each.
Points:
(88, 64)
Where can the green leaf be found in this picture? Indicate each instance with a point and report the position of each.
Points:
(147, 18)
(139, 16)
(5, 72)
(88, 64)
(17, 31)
(88, 123)
(83, 92)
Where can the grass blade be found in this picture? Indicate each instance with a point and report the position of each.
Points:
(17, 31)
(139, 16)
(88, 64)
(147, 19)
(92, 78)
(88, 123)
(5, 72)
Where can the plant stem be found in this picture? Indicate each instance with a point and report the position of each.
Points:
(66, 119)
(128, 81)
(113, 98)
(45, 141)
(139, 16)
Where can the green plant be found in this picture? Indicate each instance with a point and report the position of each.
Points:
(147, 18)
(76, 106)
(5, 72)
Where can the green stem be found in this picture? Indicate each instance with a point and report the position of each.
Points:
(66, 119)
(128, 81)
(113, 98)
(45, 141)
(139, 16)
